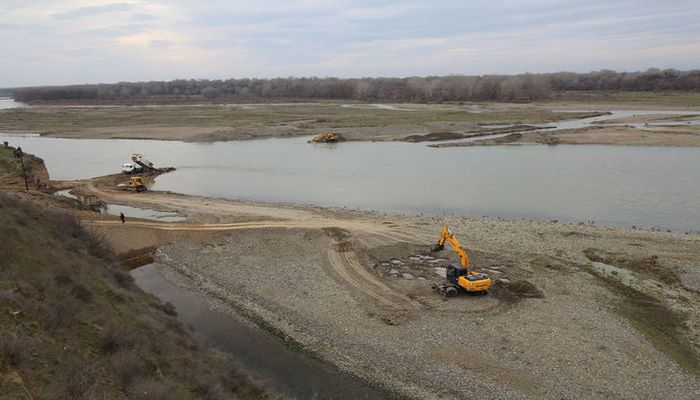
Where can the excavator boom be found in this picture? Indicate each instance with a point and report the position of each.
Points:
(446, 235)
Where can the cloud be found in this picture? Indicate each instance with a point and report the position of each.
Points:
(94, 10)
(65, 41)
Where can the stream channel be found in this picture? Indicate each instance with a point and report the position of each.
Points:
(291, 373)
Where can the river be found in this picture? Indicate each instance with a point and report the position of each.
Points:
(612, 185)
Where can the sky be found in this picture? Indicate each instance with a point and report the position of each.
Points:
(54, 42)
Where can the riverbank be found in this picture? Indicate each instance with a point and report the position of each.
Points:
(353, 288)
(678, 135)
(353, 122)
(74, 324)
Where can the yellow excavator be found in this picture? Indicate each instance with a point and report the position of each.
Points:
(324, 138)
(459, 276)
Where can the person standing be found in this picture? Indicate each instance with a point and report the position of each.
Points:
(122, 217)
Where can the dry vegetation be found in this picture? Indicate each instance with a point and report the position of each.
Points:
(74, 325)
(215, 122)
(522, 87)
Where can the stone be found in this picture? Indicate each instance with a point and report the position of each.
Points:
(441, 271)
(406, 275)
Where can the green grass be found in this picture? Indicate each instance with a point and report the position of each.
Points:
(6, 153)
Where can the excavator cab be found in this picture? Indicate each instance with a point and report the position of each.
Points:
(469, 281)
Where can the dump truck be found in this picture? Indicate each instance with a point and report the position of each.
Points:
(143, 163)
(131, 168)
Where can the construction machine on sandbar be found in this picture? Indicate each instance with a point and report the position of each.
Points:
(324, 138)
(459, 276)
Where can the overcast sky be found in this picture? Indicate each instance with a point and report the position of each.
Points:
(77, 41)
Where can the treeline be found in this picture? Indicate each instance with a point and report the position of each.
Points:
(523, 87)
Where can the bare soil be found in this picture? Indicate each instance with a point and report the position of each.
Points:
(402, 122)
(354, 288)
(680, 136)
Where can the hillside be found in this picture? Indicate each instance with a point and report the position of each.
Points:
(74, 325)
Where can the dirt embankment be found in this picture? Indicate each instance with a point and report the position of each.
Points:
(75, 326)
(13, 170)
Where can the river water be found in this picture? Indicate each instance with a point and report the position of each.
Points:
(269, 360)
(613, 185)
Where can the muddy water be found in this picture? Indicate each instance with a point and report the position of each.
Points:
(290, 373)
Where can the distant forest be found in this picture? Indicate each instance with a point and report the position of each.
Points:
(523, 87)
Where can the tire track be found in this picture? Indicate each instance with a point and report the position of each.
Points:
(342, 259)
(346, 264)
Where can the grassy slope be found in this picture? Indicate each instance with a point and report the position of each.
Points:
(74, 325)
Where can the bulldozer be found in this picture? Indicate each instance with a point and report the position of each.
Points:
(324, 138)
(459, 276)
(136, 183)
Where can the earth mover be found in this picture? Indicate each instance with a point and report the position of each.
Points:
(459, 276)
(137, 183)
(324, 138)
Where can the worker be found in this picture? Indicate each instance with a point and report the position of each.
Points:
(122, 217)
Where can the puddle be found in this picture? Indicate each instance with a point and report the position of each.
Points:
(271, 362)
(372, 106)
(143, 213)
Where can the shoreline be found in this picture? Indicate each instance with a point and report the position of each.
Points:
(492, 242)
(325, 277)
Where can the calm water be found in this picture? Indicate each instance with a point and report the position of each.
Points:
(268, 359)
(642, 186)
(6, 102)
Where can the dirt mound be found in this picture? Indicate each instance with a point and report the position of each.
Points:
(513, 292)
(434, 136)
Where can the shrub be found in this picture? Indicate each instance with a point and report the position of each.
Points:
(78, 379)
(151, 390)
(123, 278)
(82, 293)
(169, 309)
(12, 348)
(116, 338)
(126, 366)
